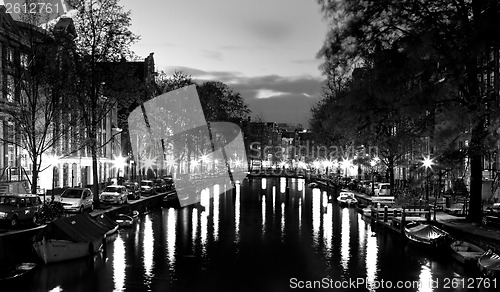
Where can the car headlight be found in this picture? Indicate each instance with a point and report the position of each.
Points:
(3, 215)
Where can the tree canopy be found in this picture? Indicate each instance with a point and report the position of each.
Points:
(453, 39)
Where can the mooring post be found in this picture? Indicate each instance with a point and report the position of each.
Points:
(403, 219)
(385, 213)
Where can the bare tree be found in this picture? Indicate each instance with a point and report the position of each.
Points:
(34, 94)
(103, 37)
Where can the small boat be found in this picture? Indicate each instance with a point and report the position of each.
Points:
(16, 271)
(489, 264)
(312, 185)
(426, 235)
(465, 252)
(69, 238)
(347, 199)
(107, 224)
(134, 214)
(124, 220)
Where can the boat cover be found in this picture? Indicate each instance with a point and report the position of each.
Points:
(105, 222)
(490, 260)
(78, 228)
(426, 231)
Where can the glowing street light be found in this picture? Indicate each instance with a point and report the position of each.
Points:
(346, 164)
(119, 163)
(427, 162)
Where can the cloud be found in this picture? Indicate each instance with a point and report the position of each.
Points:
(266, 93)
(273, 97)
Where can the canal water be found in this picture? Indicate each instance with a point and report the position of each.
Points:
(257, 237)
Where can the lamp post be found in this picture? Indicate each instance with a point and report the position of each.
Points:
(373, 162)
(53, 160)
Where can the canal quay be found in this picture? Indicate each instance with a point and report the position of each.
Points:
(266, 234)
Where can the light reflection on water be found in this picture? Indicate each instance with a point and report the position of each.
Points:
(199, 248)
(119, 264)
(148, 249)
(345, 238)
(171, 236)
(316, 212)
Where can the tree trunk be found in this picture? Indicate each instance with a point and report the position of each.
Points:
(34, 179)
(476, 175)
(95, 174)
(390, 170)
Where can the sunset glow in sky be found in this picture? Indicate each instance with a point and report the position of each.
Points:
(264, 49)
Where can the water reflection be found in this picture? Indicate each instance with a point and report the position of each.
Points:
(282, 220)
(171, 236)
(119, 264)
(194, 227)
(425, 279)
(148, 249)
(237, 212)
(216, 198)
(344, 239)
(263, 183)
(263, 214)
(198, 248)
(371, 256)
(283, 184)
(328, 230)
(316, 212)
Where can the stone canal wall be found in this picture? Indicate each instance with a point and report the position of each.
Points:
(16, 245)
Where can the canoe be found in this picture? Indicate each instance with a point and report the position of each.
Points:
(465, 252)
(16, 271)
(426, 235)
(489, 264)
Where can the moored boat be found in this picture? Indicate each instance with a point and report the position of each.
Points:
(124, 220)
(426, 235)
(489, 264)
(108, 224)
(347, 199)
(465, 252)
(16, 271)
(69, 238)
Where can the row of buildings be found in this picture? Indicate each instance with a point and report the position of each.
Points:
(68, 162)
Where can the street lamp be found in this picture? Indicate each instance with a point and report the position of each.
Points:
(427, 163)
(346, 164)
(373, 163)
(119, 163)
(52, 161)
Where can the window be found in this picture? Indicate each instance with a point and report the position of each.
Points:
(24, 60)
(9, 56)
(10, 88)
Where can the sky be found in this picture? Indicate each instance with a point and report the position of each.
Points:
(263, 49)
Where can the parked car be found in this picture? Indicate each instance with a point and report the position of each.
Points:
(147, 187)
(134, 192)
(159, 185)
(169, 182)
(114, 194)
(77, 200)
(492, 215)
(383, 189)
(19, 207)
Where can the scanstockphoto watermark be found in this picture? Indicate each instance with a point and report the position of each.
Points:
(310, 150)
